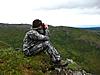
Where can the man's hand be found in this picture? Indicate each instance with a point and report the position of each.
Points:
(45, 26)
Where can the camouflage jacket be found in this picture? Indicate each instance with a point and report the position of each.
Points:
(34, 37)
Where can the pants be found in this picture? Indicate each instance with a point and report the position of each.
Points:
(55, 56)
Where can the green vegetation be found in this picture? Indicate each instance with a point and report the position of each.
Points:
(15, 63)
(12, 36)
(82, 46)
(3, 45)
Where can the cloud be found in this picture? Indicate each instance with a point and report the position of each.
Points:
(58, 4)
(90, 11)
(74, 13)
(27, 6)
(78, 6)
(81, 4)
(67, 18)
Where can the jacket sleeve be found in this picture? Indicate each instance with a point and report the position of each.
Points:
(38, 37)
(47, 32)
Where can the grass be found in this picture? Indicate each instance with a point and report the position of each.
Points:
(3, 45)
(12, 36)
(15, 63)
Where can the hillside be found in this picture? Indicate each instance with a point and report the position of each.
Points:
(80, 45)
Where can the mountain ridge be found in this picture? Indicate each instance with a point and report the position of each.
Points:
(80, 45)
(92, 28)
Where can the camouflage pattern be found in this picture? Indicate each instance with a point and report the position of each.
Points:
(35, 41)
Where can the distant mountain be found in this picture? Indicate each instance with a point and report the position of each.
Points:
(92, 28)
(15, 25)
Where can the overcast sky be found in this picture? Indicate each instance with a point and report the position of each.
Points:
(75, 13)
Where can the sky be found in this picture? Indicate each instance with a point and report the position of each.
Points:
(73, 13)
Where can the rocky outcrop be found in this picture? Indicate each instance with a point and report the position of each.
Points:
(69, 70)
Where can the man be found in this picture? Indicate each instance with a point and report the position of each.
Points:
(37, 40)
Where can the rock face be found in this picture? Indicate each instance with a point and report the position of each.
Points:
(68, 70)
(81, 73)
(78, 71)
(75, 71)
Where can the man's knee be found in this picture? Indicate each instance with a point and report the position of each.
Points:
(46, 43)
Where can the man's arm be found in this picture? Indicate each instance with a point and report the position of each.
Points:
(41, 37)
(45, 29)
(38, 37)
